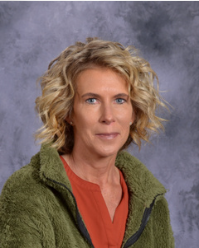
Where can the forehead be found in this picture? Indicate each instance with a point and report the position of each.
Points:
(101, 79)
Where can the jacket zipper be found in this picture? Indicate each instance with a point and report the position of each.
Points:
(144, 221)
(80, 223)
(84, 230)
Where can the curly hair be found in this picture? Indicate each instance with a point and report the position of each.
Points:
(58, 90)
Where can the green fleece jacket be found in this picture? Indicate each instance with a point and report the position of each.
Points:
(38, 209)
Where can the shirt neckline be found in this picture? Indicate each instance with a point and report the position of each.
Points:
(78, 180)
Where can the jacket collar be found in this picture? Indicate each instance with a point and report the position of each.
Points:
(140, 181)
(143, 190)
(51, 166)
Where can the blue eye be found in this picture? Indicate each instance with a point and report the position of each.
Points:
(91, 100)
(120, 100)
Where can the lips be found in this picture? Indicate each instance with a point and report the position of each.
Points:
(107, 136)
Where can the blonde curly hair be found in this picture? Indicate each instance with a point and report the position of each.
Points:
(58, 90)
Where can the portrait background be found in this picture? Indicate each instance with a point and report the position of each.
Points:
(167, 35)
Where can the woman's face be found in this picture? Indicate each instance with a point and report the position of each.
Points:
(102, 112)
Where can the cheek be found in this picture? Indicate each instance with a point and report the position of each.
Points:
(126, 117)
(85, 122)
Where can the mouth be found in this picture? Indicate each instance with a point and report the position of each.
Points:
(107, 136)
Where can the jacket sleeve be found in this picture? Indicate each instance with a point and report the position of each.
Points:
(163, 233)
(18, 231)
(23, 222)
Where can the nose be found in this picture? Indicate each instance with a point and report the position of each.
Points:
(107, 114)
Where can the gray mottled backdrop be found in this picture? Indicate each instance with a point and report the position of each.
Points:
(167, 34)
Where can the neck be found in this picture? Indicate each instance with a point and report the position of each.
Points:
(98, 170)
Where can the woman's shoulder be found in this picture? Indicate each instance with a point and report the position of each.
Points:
(22, 181)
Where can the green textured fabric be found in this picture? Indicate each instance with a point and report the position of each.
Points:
(37, 210)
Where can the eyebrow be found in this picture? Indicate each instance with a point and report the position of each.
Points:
(90, 94)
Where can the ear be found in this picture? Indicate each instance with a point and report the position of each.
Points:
(69, 120)
(133, 118)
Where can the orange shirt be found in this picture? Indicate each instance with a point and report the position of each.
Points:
(103, 232)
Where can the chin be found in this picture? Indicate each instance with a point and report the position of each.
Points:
(108, 152)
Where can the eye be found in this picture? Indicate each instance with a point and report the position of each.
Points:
(120, 100)
(91, 100)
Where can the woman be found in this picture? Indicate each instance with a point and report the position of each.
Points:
(82, 189)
